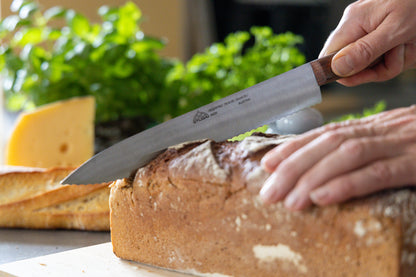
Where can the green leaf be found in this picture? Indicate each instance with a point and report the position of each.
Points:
(53, 34)
(10, 23)
(97, 53)
(122, 69)
(147, 44)
(16, 102)
(79, 25)
(19, 80)
(261, 129)
(54, 13)
(108, 14)
(27, 10)
(29, 36)
(378, 107)
(103, 11)
(25, 53)
(13, 62)
(16, 5)
(131, 10)
(29, 82)
(126, 27)
(2, 61)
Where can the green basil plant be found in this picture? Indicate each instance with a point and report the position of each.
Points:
(50, 55)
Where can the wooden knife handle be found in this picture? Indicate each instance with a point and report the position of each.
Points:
(322, 70)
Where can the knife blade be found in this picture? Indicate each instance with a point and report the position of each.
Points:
(230, 116)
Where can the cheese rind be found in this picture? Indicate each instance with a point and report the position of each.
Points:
(57, 134)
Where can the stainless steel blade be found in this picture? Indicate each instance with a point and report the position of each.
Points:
(220, 120)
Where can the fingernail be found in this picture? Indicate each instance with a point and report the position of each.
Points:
(319, 196)
(343, 66)
(268, 191)
(291, 200)
(268, 162)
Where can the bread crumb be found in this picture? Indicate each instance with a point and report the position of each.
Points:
(359, 229)
(238, 223)
(269, 253)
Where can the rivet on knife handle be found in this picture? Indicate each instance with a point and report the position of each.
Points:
(322, 70)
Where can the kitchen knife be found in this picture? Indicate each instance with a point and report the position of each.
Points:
(235, 114)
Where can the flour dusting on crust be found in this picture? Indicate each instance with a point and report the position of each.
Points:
(199, 164)
(254, 144)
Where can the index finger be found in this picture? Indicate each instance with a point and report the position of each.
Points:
(377, 122)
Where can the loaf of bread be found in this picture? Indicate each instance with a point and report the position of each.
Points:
(195, 208)
(34, 198)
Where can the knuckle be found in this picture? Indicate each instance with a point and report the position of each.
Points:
(404, 122)
(409, 118)
(352, 9)
(365, 52)
(412, 109)
(353, 148)
(381, 172)
(331, 126)
(374, 130)
(333, 137)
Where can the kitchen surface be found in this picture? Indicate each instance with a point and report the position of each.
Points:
(18, 244)
(171, 43)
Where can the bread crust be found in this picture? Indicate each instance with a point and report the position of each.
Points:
(34, 198)
(203, 214)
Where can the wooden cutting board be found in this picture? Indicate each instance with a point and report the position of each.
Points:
(97, 260)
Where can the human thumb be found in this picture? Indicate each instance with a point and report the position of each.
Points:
(355, 57)
(342, 65)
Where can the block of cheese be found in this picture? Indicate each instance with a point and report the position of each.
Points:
(34, 198)
(195, 208)
(57, 134)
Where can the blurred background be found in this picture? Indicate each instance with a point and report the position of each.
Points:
(190, 26)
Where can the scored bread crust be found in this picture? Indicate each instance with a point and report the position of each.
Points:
(195, 208)
(34, 198)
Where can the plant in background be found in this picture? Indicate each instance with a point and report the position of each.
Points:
(113, 61)
(378, 107)
(228, 67)
(121, 66)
